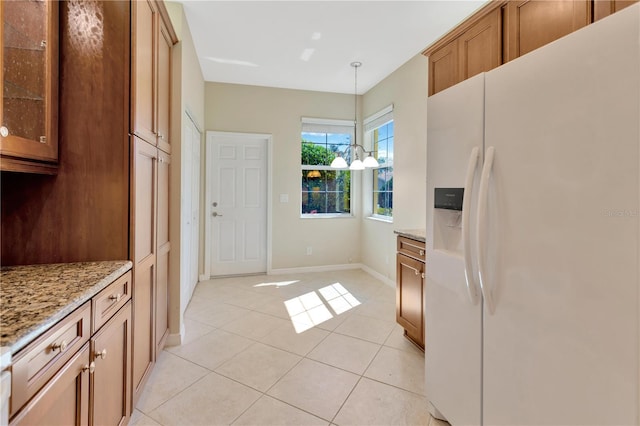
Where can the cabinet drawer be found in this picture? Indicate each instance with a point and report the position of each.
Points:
(40, 360)
(411, 248)
(106, 303)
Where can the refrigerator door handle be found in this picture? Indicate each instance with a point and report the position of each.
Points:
(472, 289)
(481, 229)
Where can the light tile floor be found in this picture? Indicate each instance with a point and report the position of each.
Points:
(242, 361)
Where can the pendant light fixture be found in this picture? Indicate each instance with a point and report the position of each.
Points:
(357, 164)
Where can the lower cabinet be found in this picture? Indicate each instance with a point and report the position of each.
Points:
(65, 398)
(410, 289)
(110, 382)
(93, 387)
(150, 247)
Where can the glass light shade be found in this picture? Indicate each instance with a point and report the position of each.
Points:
(356, 165)
(339, 163)
(370, 162)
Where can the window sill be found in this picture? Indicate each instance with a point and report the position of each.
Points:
(383, 219)
(327, 216)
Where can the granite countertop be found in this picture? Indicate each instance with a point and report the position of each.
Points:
(414, 234)
(35, 297)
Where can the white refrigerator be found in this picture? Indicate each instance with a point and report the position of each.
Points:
(532, 294)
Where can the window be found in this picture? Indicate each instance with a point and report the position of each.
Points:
(325, 191)
(379, 129)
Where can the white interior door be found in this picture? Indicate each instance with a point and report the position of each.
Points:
(195, 208)
(190, 199)
(237, 210)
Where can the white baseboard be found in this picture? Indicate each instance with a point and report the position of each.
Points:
(324, 268)
(175, 339)
(327, 268)
(379, 276)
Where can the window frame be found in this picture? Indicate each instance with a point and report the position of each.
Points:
(371, 124)
(339, 126)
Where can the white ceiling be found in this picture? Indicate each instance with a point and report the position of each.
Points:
(309, 44)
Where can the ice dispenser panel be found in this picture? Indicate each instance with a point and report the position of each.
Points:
(447, 232)
(449, 198)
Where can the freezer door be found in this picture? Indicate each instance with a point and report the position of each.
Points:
(455, 123)
(562, 346)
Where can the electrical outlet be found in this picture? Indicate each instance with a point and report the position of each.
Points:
(309, 251)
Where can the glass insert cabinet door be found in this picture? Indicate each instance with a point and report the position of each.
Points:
(29, 83)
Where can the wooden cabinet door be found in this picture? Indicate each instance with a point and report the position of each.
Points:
(443, 68)
(602, 8)
(111, 380)
(534, 23)
(410, 297)
(164, 88)
(64, 400)
(29, 35)
(143, 76)
(164, 247)
(480, 47)
(144, 194)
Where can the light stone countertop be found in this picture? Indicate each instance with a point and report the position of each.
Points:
(414, 234)
(35, 297)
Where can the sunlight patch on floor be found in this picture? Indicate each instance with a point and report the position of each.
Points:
(277, 284)
(308, 310)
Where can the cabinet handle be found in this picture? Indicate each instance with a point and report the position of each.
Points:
(91, 367)
(115, 297)
(61, 346)
(102, 354)
(160, 135)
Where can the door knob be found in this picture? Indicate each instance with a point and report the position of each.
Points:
(215, 214)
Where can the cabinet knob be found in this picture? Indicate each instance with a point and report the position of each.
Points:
(91, 367)
(59, 346)
(421, 252)
(4, 132)
(115, 297)
(423, 276)
(416, 271)
(102, 354)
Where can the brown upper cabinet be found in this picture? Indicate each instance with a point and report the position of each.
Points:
(152, 40)
(471, 48)
(531, 24)
(479, 46)
(29, 85)
(602, 8)
(504, 30)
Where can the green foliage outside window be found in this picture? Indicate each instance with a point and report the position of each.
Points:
(323, 190)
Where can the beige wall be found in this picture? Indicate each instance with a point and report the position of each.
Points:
(251, 109)
(187, 95)
(406, 89)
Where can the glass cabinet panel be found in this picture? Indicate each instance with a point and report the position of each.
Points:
(29, 33)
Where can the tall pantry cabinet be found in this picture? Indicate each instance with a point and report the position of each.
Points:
(152, 39)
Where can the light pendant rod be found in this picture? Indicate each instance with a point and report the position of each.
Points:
(357, 164)
(355, 66)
